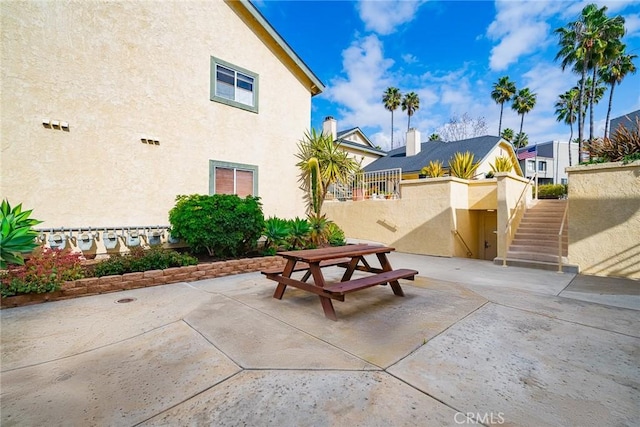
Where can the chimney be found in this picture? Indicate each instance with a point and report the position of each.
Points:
(413, 142)
(330, 127)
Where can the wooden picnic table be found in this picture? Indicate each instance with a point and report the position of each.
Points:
(352, 258)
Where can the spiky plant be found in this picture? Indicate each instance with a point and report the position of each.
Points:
(461, 165)
(16, 234)
(623, 145)
(276, 231)
(502, 164)
(298, 233)
(433, 169)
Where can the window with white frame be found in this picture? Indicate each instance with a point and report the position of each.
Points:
(542, 166)
(531, 165)
(232, 85)
(233, 178)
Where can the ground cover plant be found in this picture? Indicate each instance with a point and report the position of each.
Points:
(45, 271)
(139, 259)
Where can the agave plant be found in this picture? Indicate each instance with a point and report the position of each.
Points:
(299, 229)
(16, 234)
(336, 235)
(502, 164)
(433, 169)
(461, 165)
(276, 231)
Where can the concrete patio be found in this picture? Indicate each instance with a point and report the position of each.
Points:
(470, 342)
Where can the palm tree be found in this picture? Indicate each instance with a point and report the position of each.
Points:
(391, 99)
(567, 111)
(523, 102)
(520, 140)
(613, 73)
(503, 91)
(593, 92)
(507, 134)
(434, 137)
(410, 103)
(581, 44)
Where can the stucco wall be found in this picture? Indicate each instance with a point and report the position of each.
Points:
(422, 221)
(604, 219)
(510, 189)
(118, 71)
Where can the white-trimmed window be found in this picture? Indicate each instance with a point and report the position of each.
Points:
(233, 85)
(531, 165)
(233, 178)
(542, 166)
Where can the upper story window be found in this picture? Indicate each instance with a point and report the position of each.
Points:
(233, 85)
(531, 165)
(542, 166)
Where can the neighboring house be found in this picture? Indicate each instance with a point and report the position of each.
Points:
(354, 141)
(110, 110)
(549, 159)
(628, 121)
(415, 155)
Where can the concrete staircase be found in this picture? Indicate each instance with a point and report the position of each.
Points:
(535, 243)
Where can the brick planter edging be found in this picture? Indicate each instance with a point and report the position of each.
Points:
(101, 285)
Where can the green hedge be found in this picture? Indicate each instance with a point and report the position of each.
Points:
(551, 191)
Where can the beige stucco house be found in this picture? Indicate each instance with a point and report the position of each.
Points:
(111, 109)
(353, 141)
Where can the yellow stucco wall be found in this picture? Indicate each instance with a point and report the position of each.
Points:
(511, 189)
(119, 71)
(422, 221)
(604, 219)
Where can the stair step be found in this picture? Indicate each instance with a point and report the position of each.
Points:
(551, 242)
(550, 249)
(533, 256)
(541, 265)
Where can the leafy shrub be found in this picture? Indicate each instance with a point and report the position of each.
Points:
(551, 191)
(224, 225)
(461, 165)
(335, 235)
(45, 271)
(433, 169)
(16, 234)
(139, 259)
(624, 145)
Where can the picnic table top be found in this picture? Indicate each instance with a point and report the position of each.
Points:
(320, 254)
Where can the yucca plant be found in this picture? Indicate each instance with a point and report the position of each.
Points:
(624, 145)
(461, 165)
(433, 169)
(319, 230)
(16, 234)
(502, 164)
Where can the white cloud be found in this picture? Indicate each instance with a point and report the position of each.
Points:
(519, 29)
(632, 24)
(409, 58)
(359, 93)
(383, 17)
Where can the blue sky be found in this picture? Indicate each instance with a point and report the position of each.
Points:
(449, 52)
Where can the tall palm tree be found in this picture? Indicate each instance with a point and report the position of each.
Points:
(507, 134)
(581, 44)
(391, 99)
(567, 111)
(523, 102)
(410, 103)
(503, 91)
(520, 140)
(613, 73)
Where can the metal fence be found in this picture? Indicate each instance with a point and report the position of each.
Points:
(384, 184)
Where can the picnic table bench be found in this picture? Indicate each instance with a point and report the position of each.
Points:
(350, 257)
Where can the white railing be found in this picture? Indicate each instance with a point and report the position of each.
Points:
(384, 184)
